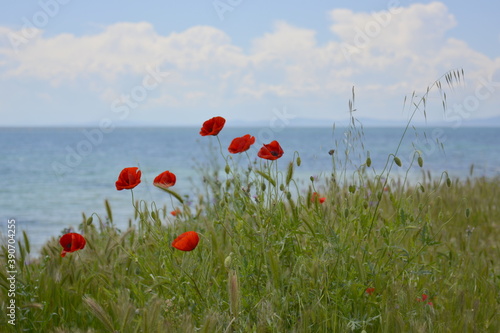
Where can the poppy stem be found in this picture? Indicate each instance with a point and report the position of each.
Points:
(221, 151)
(194, 284)
(138, 212)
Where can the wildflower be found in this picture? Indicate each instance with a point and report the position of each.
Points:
(164, 180)
(186, 241)
(370, 290)
(176, 212)
(271, 151)
(71, 242)
(128, 179)
(212, 126)
(315, 197)
(241, 144)
(424, 299)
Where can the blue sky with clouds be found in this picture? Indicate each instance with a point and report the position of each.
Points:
(82, 63)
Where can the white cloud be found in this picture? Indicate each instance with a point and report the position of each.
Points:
(385, 54)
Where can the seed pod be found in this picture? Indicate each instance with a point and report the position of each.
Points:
(311, 178)
(368, 162)
(420, 161)
(397, 161)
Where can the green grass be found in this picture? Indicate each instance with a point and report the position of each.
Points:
(270, 259)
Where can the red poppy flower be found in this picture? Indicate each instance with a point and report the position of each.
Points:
(71, 242)
(164, 180)
(370, 290)
(186, 241)
(128, 179)
(315, 197)
(241, 144)
(271, 151)
(176, 212)
(212, 126)
(424, 298)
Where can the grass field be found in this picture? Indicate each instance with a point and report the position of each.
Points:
(359, 252)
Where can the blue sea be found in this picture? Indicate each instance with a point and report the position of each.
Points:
(49, 176)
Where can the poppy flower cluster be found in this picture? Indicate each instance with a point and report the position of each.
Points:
(425, 299)
(315, 197)
(271, 151)
(130, 177)
(369, 290)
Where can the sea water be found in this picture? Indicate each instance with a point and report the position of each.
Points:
(50, 176)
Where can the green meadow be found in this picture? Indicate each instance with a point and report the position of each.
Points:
(360, 251)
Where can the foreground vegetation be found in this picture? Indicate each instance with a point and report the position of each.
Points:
(349, 252)
(280, 265)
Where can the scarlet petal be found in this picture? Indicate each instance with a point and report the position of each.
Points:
(165, 179)
(212, 126)
(186, 241)
(241, 144)
(71, 242)
(271, 151)
(128, 179)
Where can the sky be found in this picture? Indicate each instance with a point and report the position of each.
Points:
(177, 63)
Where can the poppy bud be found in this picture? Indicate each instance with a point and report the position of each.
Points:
(352, 188)
(227, 262)
(397, 161)
(311, 178)
(299, 161)
(282, 187)
(420, 161)
(368, 162)
(448, 182)
(263, 186)
(227, 169)
(467, 212)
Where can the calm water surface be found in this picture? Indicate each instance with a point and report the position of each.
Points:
(50, 176)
